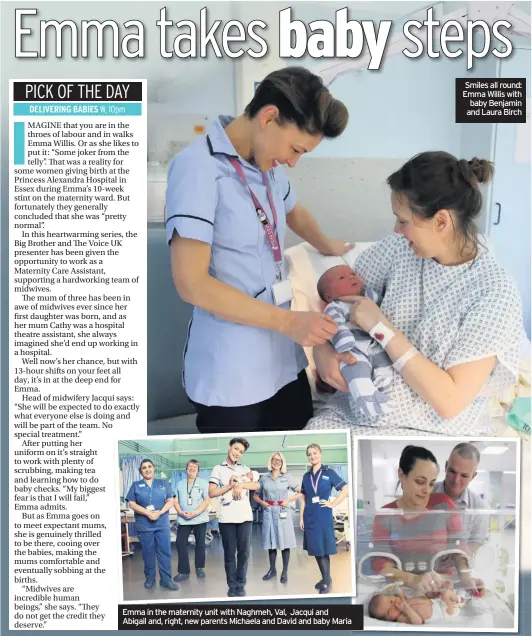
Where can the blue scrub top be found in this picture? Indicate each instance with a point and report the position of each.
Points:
(207, 201)
(199, 492)
(329, 478)
(141, 494)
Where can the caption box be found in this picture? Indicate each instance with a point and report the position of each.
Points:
(490, 101)
(231, 617)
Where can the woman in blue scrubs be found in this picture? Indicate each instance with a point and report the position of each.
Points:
(316, 517)
(228, 204)
(150, 499)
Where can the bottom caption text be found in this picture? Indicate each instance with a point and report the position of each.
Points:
(230, 617)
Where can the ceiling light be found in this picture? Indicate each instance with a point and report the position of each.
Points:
(494, 450)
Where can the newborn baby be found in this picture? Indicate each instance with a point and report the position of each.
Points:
(370, 380)
(253, 475)
(417, 610)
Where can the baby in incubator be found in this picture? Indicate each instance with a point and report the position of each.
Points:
(417, 610)
(248, 477)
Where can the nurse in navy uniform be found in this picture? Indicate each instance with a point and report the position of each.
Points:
(316, 517)
(151, 499)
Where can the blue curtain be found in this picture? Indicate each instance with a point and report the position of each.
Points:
(130, 471)
(342, 470)
(177, 475)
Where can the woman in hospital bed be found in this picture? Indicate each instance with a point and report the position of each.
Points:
(450, 318)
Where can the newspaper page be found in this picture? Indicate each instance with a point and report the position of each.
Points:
(267, 349)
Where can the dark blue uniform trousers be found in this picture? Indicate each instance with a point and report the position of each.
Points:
(155, 544)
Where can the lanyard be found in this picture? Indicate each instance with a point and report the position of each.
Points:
(149, 490)
(270, 233)
(189, 492)
(315, 485)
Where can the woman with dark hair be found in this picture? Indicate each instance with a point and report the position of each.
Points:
(228, 202)
(415, 537)
(151, 499)
(450, 318)
(316, 517)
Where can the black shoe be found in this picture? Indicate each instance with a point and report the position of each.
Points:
(241, 591)
(148, 584)
(284, 576)
(200, 573)
(324, 589)
(231, 593)
(169, 584)
(318, 585)
(269, 574)
(181, 577)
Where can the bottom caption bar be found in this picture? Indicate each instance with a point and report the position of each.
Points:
(231, 617)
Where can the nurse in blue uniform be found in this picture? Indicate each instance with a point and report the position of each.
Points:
(150, 499)
(228, 204)
(316, 517)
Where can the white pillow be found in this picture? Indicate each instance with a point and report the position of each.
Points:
(304, 266)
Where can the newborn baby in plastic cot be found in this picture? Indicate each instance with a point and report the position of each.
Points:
(416, 610)
(370, 380)
(253, 475)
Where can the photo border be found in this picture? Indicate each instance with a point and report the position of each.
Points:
(217, 599)
(517, 570)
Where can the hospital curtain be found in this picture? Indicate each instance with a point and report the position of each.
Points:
(342, 470)
(130, 465)
(130, 471)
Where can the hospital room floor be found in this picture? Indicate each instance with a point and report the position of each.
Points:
(303, 574)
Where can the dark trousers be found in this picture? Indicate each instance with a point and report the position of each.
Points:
(288, 410)
(183, 532)
(155, 546)
(236, 540)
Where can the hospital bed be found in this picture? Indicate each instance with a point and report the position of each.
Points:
(495, 564)
(342, 528)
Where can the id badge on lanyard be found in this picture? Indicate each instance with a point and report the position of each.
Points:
(281, 289)
(150, 506)
(316, 498)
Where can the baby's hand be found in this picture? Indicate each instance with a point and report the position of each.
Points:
(250, 475)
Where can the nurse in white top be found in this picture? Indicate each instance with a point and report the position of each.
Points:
(228, 203)
(450, 319)
(236, 517)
